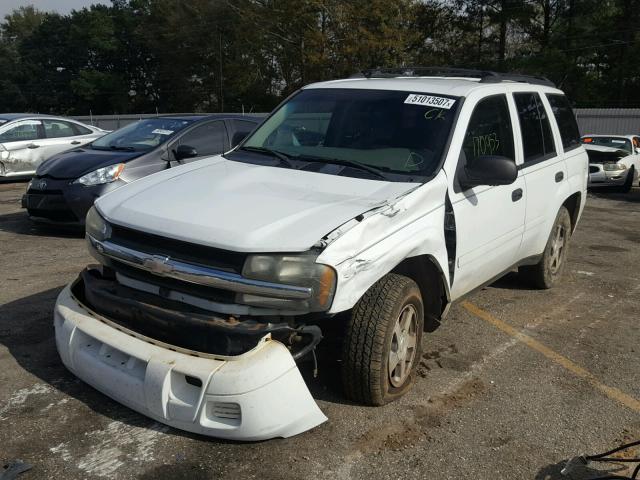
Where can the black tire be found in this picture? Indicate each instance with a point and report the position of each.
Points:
(548, 271)
(628, 183)
(372, 336)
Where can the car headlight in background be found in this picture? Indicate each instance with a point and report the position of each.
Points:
(300, 270)
(614, 166)
(102, 175)
(96, 226)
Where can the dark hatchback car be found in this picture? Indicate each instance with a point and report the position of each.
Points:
(65, 186)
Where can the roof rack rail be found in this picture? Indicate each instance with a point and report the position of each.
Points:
(485, 76)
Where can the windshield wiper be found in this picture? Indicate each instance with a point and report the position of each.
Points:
(346, 163)
(124, 149)
(283, 157)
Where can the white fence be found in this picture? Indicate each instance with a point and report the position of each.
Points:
(617, 121)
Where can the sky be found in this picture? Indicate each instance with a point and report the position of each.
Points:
(60, 6)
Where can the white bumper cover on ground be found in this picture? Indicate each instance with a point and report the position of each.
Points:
(255, 396)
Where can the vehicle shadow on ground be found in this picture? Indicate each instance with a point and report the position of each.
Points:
(18, 223)
(26, 330)
(610, 193)
(552, 472)
(511, 281)
(14, 180)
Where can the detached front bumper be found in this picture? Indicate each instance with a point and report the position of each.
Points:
(599, 177)
(254, 396)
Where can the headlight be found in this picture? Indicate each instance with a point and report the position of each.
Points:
(300, 270)
(614, 166)
(102, 175)
(96, 226)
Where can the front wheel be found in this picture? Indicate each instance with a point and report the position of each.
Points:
(628, 183)
(547, 272)
(382, 347)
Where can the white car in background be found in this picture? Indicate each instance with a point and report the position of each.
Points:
(27, 140)
(614, 160)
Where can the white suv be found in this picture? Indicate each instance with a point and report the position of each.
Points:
(368, 204)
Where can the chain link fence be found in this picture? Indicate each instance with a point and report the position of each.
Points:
(615, 121)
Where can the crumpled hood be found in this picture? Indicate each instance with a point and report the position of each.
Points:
(604, 154)
(75, 163)
(244, 207)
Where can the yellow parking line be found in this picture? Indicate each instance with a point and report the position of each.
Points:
(611, 392)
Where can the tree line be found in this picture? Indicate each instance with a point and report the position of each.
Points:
(146, 56)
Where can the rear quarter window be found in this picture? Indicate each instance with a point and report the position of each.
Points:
(566, 120)
(80, 130)
(537, 141)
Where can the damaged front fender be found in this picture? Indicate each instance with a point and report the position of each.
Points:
(370, 247)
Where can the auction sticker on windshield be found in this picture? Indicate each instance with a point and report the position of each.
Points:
(430, 101)
(162, 131)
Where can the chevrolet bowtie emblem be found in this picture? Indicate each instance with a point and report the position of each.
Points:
(158, 264)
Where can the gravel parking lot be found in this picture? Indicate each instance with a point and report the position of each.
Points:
(515, 382)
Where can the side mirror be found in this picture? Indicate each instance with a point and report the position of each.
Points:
(184, 151)
(636, 150)
(489, 170)
(237, 138)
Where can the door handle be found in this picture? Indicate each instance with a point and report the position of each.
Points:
(516, 194)
(76, 142)
(33, 145)
(559, 177)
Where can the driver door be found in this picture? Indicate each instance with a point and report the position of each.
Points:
(489, 220)
(208, 139)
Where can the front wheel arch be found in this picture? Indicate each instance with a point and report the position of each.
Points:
(433, 285)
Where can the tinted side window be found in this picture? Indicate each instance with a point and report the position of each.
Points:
(80, 130)
(241, 128)
(57, 129)
(489, 131)
(537, 140)
(566, 121)
(207, 139)
(27, 130)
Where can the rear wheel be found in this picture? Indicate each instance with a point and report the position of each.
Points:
(383, 341)
(547, 272)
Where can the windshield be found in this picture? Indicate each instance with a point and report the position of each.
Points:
(620, 143)
(394, 132)
(141, 135)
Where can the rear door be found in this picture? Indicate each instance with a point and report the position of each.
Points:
(59, 136)
(544, 171)
(489, 220)
(20, 143)
(575, 156)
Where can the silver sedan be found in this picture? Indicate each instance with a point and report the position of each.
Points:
(26, 140)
